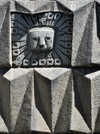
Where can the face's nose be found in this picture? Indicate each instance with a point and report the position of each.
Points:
(42, 43)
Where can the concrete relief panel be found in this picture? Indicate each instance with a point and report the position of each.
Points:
(43, 39)
(44, 49)
(40, 39)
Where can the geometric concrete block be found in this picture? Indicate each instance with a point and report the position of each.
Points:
(85, 46)
(5, 36)
(4, 95)
(83, 35)
(53, 97)
(17, 82)
(3, 126)
(95, 100)
(82, 89)
(17, 102)
(74, 5)
(96, 35)
(47, 100)
(87, 97)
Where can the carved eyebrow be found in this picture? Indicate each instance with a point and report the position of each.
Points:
(35, 36)
(50, 35)
(35, 33)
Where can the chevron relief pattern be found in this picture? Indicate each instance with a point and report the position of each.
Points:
(50, 67)
(28, 103)
(49, 100)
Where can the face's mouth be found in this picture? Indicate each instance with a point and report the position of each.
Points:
(42, 49)
(42, 46)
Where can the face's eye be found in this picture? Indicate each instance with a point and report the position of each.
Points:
(35, 38)
(48, 38)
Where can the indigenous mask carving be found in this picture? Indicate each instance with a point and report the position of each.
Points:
(41, 39)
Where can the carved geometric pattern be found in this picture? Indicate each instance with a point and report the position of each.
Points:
(43, 34)
(43, 39)
(5, 36)
(50, 100)
(86, 50)
(87, 89)
(55, 110)
(29, 108)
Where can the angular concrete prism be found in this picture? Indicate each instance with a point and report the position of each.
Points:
(17, 82)
(85, 46)
(47, 100)
(87, 96)
(82, 36)
(53, 97)
(5, 36)
(82, 88)
(36, 101)
(95, 100)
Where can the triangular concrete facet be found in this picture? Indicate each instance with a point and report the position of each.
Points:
(95, 93)
(42, 90)
(3, 127)
(61, 102)
(82, 96)
(74, 5)
(79, 46)
(21, 6)
(78, 124)
(23, 122)
(37, 120)
(96, 35)
(5, 42)
(51, 73)
(16, 73)
(18, 86)
(50, 6)
(96, 128)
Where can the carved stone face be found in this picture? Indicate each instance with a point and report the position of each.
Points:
(41, 39)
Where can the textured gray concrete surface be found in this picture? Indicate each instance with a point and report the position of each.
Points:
(49, 66)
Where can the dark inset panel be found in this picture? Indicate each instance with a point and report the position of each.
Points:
(43, 39)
